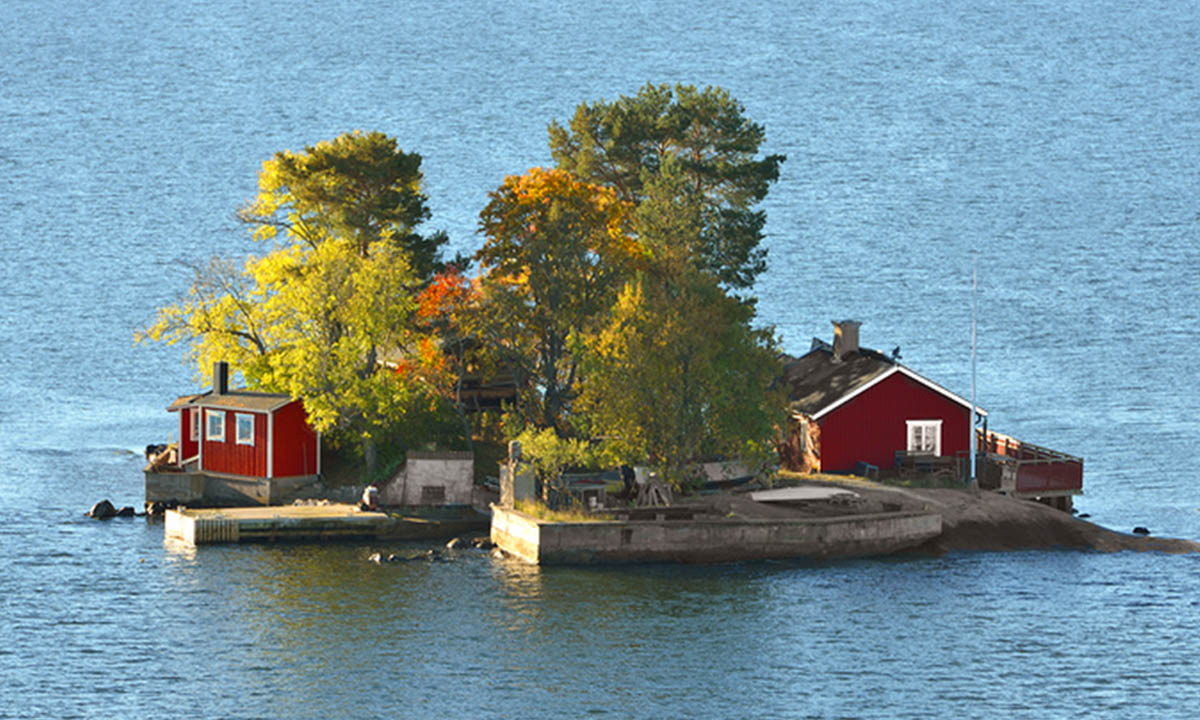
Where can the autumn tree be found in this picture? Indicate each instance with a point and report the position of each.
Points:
(449, 308)
(333, 313)
(359, 187)
(679, 373)
(551, 264)
(219, 318)
(316, 316)
(623, 144)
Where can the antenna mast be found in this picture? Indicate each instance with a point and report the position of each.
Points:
(972, 450)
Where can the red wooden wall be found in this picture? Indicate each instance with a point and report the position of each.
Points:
(1050, 476)
(187, 446)
(1039, 469)
(871, 427)
(228, 456)
(295, 442)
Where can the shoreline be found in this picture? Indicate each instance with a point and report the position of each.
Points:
(820, 517)
(988, 521)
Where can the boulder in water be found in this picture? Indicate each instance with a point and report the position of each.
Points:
(1139, 530)
(102, 510)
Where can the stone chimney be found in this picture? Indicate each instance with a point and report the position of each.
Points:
(220, 377)
(845, 338)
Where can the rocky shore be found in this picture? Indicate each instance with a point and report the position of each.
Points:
(971, 520)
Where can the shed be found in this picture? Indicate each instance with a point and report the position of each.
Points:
(245, 433)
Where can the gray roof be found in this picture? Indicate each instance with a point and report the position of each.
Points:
(814, 381)
(816, 384)
(234, 400)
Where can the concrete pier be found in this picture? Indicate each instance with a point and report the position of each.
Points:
(708, 540)
(290, 523)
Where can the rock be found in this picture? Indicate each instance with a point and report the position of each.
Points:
(455, 543)
(1084, 516)
(376, 558)
(1139, 530)
(483, 543)
(126, 511)
(102, 510)
(498, 553)
(394, 558)
(158, 507)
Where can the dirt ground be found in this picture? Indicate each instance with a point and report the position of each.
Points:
(971, 520)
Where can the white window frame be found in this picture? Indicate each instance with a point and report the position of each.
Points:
(195, 418)
(214, 431)
(918, 434)
(240, 418)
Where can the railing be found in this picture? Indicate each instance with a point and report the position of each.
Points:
(944, 468)
(1027, 469)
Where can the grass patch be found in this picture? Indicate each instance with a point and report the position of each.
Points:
(788, 478)
(541, 512)
(926, 481)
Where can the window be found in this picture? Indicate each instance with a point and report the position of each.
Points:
(925, 437)
(195, 415)
(214, 425)
(245, 429)
(433, 494)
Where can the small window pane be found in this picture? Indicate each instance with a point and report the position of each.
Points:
(924, 437)
(245, 429)
(214, 425)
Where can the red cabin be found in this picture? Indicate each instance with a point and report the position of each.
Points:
(244, 433)
(858, 410)
(870, 409)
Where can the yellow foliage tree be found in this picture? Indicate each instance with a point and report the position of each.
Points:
(316, 316)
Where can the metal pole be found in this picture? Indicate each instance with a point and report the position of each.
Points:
(971, 447)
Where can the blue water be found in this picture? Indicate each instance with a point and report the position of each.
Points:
(1055, 144)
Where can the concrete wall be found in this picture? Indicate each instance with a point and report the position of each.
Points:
(521, 487)
(174, 487)
(724, 471)
(708, 540)
(431, 478)
(209, 490)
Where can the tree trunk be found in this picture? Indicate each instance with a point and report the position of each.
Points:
(369, 457)
(458, 404)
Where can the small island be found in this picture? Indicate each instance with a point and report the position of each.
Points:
(610, 323)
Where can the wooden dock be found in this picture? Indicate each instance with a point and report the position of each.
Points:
(307, 523)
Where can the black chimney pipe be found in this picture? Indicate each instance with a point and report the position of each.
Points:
(220, 377)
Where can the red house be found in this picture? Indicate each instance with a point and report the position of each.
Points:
(858, 410)
(236, 445)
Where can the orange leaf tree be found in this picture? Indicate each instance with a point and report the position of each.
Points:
(552, 263)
